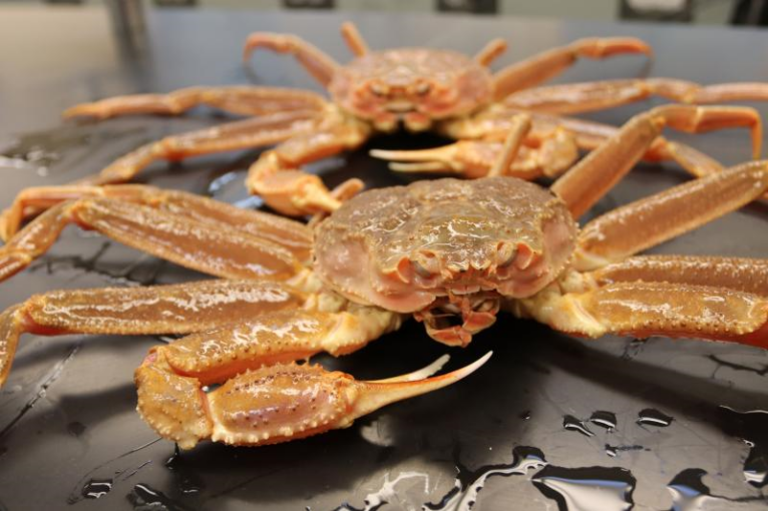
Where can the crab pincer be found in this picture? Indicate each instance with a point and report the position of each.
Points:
(268, 405)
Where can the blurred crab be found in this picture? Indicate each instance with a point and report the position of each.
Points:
(451, 253)
(416, 88)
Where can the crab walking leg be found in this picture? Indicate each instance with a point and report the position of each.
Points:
(551, 155)
(586, 97)
(546, 65)
(354, 40)
(278, 179)
(643, 309)
(317, 63)
(245, 134)
(739, 274)
(263, 399)
(560, 138)
(173, 309)
(493, 50)
(591, 178)
(239, 100)
(647, 222)
(287, 233)
(200, 246)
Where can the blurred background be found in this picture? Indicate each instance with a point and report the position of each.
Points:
(723, 12)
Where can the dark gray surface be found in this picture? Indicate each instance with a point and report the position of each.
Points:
(67, 413)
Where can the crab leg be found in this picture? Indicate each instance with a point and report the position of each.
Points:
(289, 234)
(239, 100)
(546, 65)
(647, 222)
(493, 50)
(245, 134)
(277, 178)
(354, 40)
(318, 64)
(550, 148)
(174, 309)
(591, 178)
(643, 309)
(263, 399)
(739, 274)
(473, 159)
(585, 97)
(480, 158)
(197, 245)
(494, 123)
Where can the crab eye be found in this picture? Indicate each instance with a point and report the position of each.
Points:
(421, 271)
(506, 254)
(422, 89)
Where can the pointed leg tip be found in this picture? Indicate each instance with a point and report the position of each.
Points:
(474, 366)
(77, 111)
(375, 395)
(381, 154)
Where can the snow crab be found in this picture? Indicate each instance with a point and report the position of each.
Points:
(415, 88)
(451, 253)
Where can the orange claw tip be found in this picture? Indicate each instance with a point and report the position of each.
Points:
(11, 328)
(374, 395)
(629, 44)
(250, 44)
(81, 110)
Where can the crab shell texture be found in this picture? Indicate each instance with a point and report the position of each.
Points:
(402, 248)
(412, 85)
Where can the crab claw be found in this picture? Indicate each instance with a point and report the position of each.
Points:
(269, 405)
(439, 159)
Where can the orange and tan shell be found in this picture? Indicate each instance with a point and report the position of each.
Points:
(415, 85)
(401, 248)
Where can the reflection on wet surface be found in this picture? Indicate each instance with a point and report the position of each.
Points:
(752, 428)
(604, 419)
(144, 497)
(572, 423)
(588, 488)
(651, 417)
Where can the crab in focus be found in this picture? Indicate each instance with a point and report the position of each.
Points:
(451, 253)
(381, 91)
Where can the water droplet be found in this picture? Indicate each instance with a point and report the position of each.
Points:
(604, 419)
(143, 496)
(689, 493)
(752, 427)
(588, 488)
(96, 488)
(187, 481)
(468, 484)
(652, 417)
(221, 181)
(572, 423)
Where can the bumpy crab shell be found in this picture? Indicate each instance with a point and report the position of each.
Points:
(426, 84)
(401, 248)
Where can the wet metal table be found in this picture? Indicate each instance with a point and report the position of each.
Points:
(550, 422)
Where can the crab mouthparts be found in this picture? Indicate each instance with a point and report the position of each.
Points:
(453, 320)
